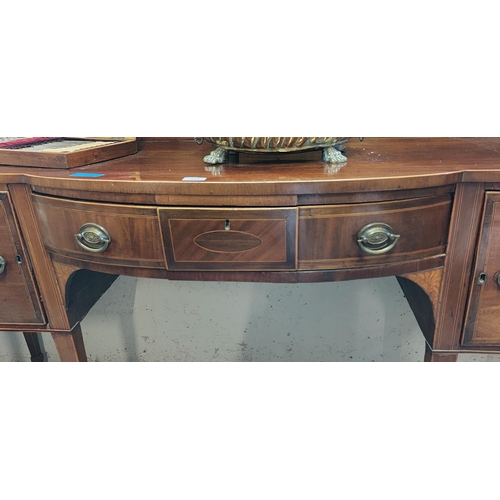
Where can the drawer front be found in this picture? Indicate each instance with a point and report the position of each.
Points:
(133, 232)
(19, 300)
(365, 234)
(482, 324)
(229, 239)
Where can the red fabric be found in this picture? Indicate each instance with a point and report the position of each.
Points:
(24, 141)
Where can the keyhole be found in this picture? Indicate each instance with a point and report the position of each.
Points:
(482, 279)
(227, 225)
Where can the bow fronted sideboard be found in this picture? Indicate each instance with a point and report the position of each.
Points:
(426, 210)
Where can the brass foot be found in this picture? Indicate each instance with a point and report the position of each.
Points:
(333, 155)
(218, 155)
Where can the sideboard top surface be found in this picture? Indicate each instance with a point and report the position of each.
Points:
(168, 165)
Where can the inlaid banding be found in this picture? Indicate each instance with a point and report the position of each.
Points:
(227, 241)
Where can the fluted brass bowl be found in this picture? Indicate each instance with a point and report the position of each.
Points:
(275, 145)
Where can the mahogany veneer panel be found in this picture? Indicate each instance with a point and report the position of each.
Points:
(134, 231)
(229, 239)
(328, 234)
(483, 319)
(19, 302)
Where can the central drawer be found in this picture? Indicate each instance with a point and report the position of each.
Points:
(229, 238)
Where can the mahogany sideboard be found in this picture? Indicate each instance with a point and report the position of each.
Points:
(426, 210)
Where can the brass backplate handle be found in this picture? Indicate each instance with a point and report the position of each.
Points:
(2, 264)
(93, 238)
(377, 238)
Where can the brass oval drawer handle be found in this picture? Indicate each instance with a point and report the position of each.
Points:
(2, 264)
(377, 238)
(93, 238)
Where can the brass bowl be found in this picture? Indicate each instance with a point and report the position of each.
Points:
(275, 145)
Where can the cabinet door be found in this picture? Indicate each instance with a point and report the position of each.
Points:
(482, 325)
(19, 302)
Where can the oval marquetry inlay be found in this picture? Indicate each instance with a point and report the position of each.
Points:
(227, 241)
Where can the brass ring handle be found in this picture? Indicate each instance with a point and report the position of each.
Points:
(2, 264)
(93, 238)
(377, 238)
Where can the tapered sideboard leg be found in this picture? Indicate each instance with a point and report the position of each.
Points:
(70, 346)
(33, 342)
(435, 356)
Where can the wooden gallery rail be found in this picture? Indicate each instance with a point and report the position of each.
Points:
(424, 210)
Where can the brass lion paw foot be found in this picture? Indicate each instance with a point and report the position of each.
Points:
(333, 155)
(219, 155)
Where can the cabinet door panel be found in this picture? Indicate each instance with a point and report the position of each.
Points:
(19, 302)
(482, 326)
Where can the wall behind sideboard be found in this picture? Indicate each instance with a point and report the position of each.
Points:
(159, 320)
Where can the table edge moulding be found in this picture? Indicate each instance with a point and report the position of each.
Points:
(426, 210)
